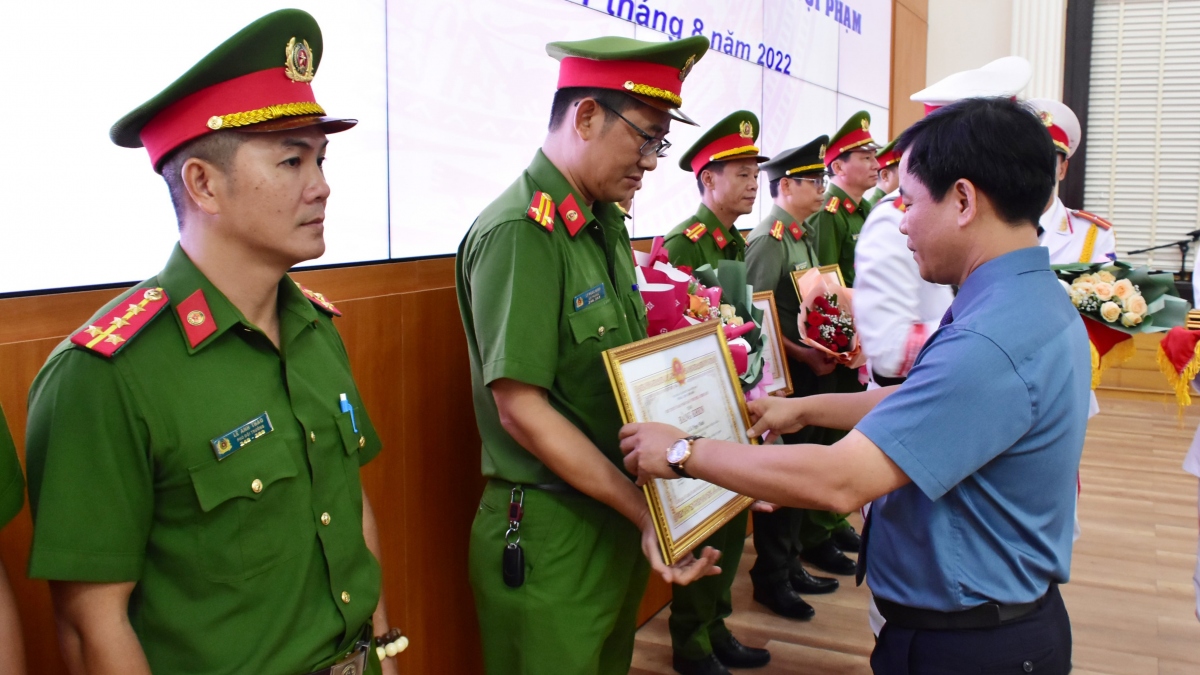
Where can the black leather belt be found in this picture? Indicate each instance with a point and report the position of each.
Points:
(557, 488)
(886, 381)
(988, 615)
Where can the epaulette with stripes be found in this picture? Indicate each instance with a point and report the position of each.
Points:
(832, 205)
(320, 301)
(777, 230)
(541, 210)
(1094, 219)
(115, 329)
(696, 231)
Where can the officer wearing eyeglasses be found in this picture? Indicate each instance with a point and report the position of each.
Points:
(782, 243)
(563, 541)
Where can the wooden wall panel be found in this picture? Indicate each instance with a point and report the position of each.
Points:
(910, 31)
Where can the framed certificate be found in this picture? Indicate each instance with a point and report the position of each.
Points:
(684, 378)
(830, 274)
(773, 354)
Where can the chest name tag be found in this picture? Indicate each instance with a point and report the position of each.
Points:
(589, 297)
(801, 266)
(227, 444)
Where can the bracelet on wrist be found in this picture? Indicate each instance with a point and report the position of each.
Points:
(390, 644)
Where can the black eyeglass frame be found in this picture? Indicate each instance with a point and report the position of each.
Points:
(657, 146)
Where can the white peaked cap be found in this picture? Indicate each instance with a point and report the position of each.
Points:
(1060, 121)
(1005, 76)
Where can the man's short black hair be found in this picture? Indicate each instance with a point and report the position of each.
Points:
(567, 97)
(217, 148)
(996, 143)
(773, 186)
(715, 167)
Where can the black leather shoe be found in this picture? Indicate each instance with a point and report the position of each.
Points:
(708, 665)
(847, 539)
(803, 582)
(737, 655)
(827, 556)
(782, 599)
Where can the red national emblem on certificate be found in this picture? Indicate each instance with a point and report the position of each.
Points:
(677, 371)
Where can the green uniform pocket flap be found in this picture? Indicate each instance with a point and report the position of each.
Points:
(249, 473)
(593, 323)
(352, 440)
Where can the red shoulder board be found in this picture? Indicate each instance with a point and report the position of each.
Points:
(115, 329)
(1094, 219)
(541, 210)
(320, 301)
(832, 204)
(899, 205)
(777, 230)
(719, 238)
(571, 215)
(850, 207)
(796, 231)
(696, 231)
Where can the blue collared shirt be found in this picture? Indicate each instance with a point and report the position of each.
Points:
(989, 426)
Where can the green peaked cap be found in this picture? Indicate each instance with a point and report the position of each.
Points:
(652, 72)
(731, 138)
(285, 44)
(855, 134)
(808, 158)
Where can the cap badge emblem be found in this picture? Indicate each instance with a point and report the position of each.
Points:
(747, 129)
(821, 152)
(687, 67)
(298, 61)
(1047, 118)
(866, 125)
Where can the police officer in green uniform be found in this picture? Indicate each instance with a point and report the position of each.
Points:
(193, 451)
(546, 283)
(850, 161)
(725, 162)
(12, 497)
(887, 179)
(782, 243)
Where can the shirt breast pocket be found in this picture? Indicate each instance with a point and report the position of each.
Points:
(594, 324)
(253, 513)
(353, 441)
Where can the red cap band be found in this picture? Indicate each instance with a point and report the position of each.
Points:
(722, 145)
(888, 158)
(187, 118)
(575, 71)
(846, 143)
(930, 107)
(1061, 141)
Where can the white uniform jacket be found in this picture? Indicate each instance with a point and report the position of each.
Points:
(1076, 236)
(895, 310)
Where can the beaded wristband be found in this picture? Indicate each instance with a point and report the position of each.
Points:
(390, 644)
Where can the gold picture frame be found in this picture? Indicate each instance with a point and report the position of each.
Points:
(830, 272)
(776, 356)
(650, 379)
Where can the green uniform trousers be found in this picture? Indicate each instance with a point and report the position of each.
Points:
(817, 526)
(698, 610)
(585, 575)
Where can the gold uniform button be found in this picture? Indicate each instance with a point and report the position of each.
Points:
(600, 330)
(345, 597)
(312, 437)
(256, 486)
(325, 519)
(362, 440)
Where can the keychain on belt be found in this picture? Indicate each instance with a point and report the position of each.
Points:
(513, 566)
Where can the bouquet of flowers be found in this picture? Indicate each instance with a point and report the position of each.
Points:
(827, 319)
(1118, 301)
(677, 297)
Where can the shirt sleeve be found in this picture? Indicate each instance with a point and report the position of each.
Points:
(516, 304)
(12, 481)
(764, 263)
(87, 446)
(962, 405)
(886, 295)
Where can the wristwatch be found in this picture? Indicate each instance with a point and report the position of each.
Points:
(679, 452)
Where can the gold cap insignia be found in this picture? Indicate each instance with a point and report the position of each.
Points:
(687, 67)
(1047, 118)
(747, 129)
(821, 152)
(298, 62)
(866, 126)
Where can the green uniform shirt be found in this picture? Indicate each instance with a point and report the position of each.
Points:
(872, 197)
(12, 482)
(540, 306)
(238, 569)
(770, 262)
(837, 230)
(706, 250)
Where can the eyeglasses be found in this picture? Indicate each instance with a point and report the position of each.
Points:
(820, 183)
(652, 146)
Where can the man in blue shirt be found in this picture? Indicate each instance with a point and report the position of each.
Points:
(971, 462)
